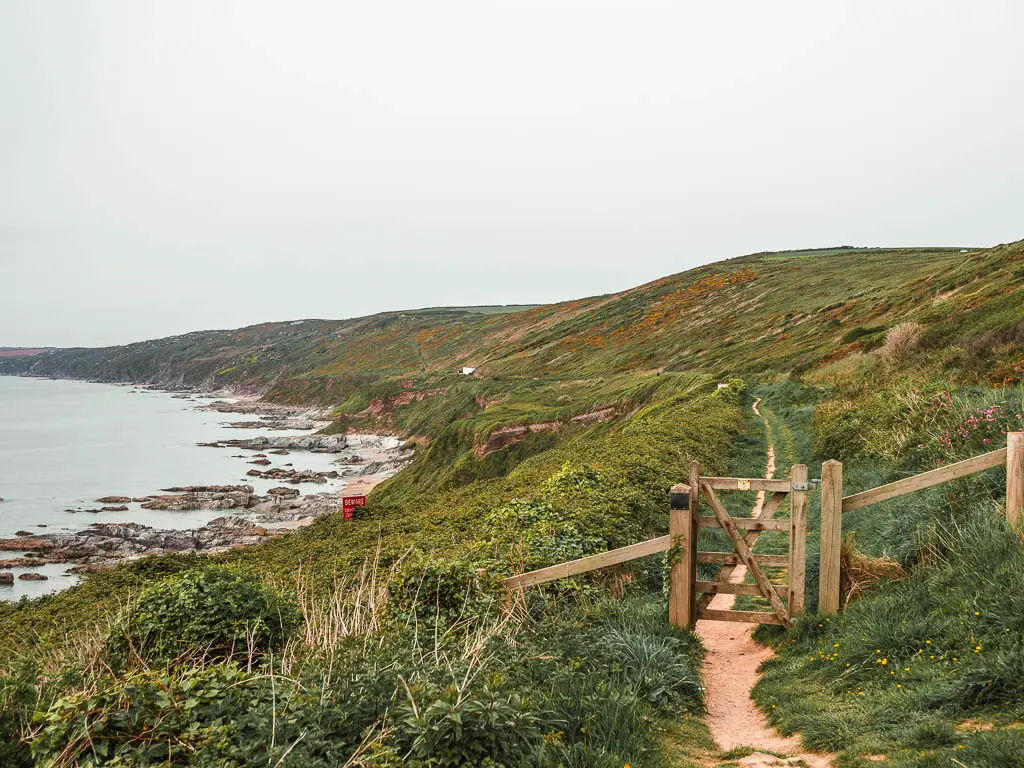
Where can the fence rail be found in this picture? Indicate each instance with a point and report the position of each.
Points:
(925, 480)
(592, 563)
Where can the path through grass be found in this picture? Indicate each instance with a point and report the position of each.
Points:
(731, 667)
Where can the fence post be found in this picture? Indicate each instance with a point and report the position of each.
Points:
(683, 525)
(797, 542)
(831, 536)
(1014, 478)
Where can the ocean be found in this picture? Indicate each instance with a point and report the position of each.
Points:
(64, 444)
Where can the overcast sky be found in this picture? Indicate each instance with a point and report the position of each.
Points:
(172, 166)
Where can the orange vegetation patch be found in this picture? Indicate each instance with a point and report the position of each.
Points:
(23, 352)
(975, 726)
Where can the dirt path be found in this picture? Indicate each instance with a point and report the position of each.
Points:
(730, 672)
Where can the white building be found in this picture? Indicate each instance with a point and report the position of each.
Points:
(467, 371)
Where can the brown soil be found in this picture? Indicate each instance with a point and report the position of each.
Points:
(730, 672)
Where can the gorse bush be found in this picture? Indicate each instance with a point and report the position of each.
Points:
(210, 614)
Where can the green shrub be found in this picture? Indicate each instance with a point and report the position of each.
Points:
(465, 726)
(210, 614)
(146, 718)
(442, 592)
(18, 693)
(546, 533)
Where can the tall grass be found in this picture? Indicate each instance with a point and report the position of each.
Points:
(910, 668)
(571, 682)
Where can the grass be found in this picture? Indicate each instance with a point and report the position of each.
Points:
(909, 667)
(901, 670)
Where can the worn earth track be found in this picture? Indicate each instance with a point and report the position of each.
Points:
(730, 672)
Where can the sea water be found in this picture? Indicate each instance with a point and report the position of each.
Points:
(65, 444)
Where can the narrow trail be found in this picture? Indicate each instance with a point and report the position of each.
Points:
(730, 672)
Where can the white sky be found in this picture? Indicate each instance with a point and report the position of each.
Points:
(172, 166)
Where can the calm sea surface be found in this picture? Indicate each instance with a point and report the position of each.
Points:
(64, 444)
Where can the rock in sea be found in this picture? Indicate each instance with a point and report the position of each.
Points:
(33, 577)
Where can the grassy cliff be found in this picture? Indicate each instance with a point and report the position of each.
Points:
(388, 641)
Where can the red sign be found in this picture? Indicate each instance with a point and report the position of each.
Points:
(349, 503)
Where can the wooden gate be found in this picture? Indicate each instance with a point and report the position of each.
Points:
(685, 522)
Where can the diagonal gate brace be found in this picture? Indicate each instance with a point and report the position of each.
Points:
(744, 553)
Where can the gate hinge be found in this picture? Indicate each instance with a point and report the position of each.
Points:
(810, 485)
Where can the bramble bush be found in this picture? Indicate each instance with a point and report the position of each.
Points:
(546, 533)
(211, 614)
(442, 591)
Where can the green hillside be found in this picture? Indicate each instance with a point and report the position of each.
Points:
(388, 640)
(772, 313)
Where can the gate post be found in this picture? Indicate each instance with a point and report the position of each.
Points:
(831, 536)
(682, 528)
(1014, 478)
(797, 540)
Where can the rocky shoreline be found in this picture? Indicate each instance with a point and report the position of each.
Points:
(362, 460)
(253, 519)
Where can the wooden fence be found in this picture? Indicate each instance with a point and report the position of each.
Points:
(685, 522)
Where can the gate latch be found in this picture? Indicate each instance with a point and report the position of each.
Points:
(810, 485)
